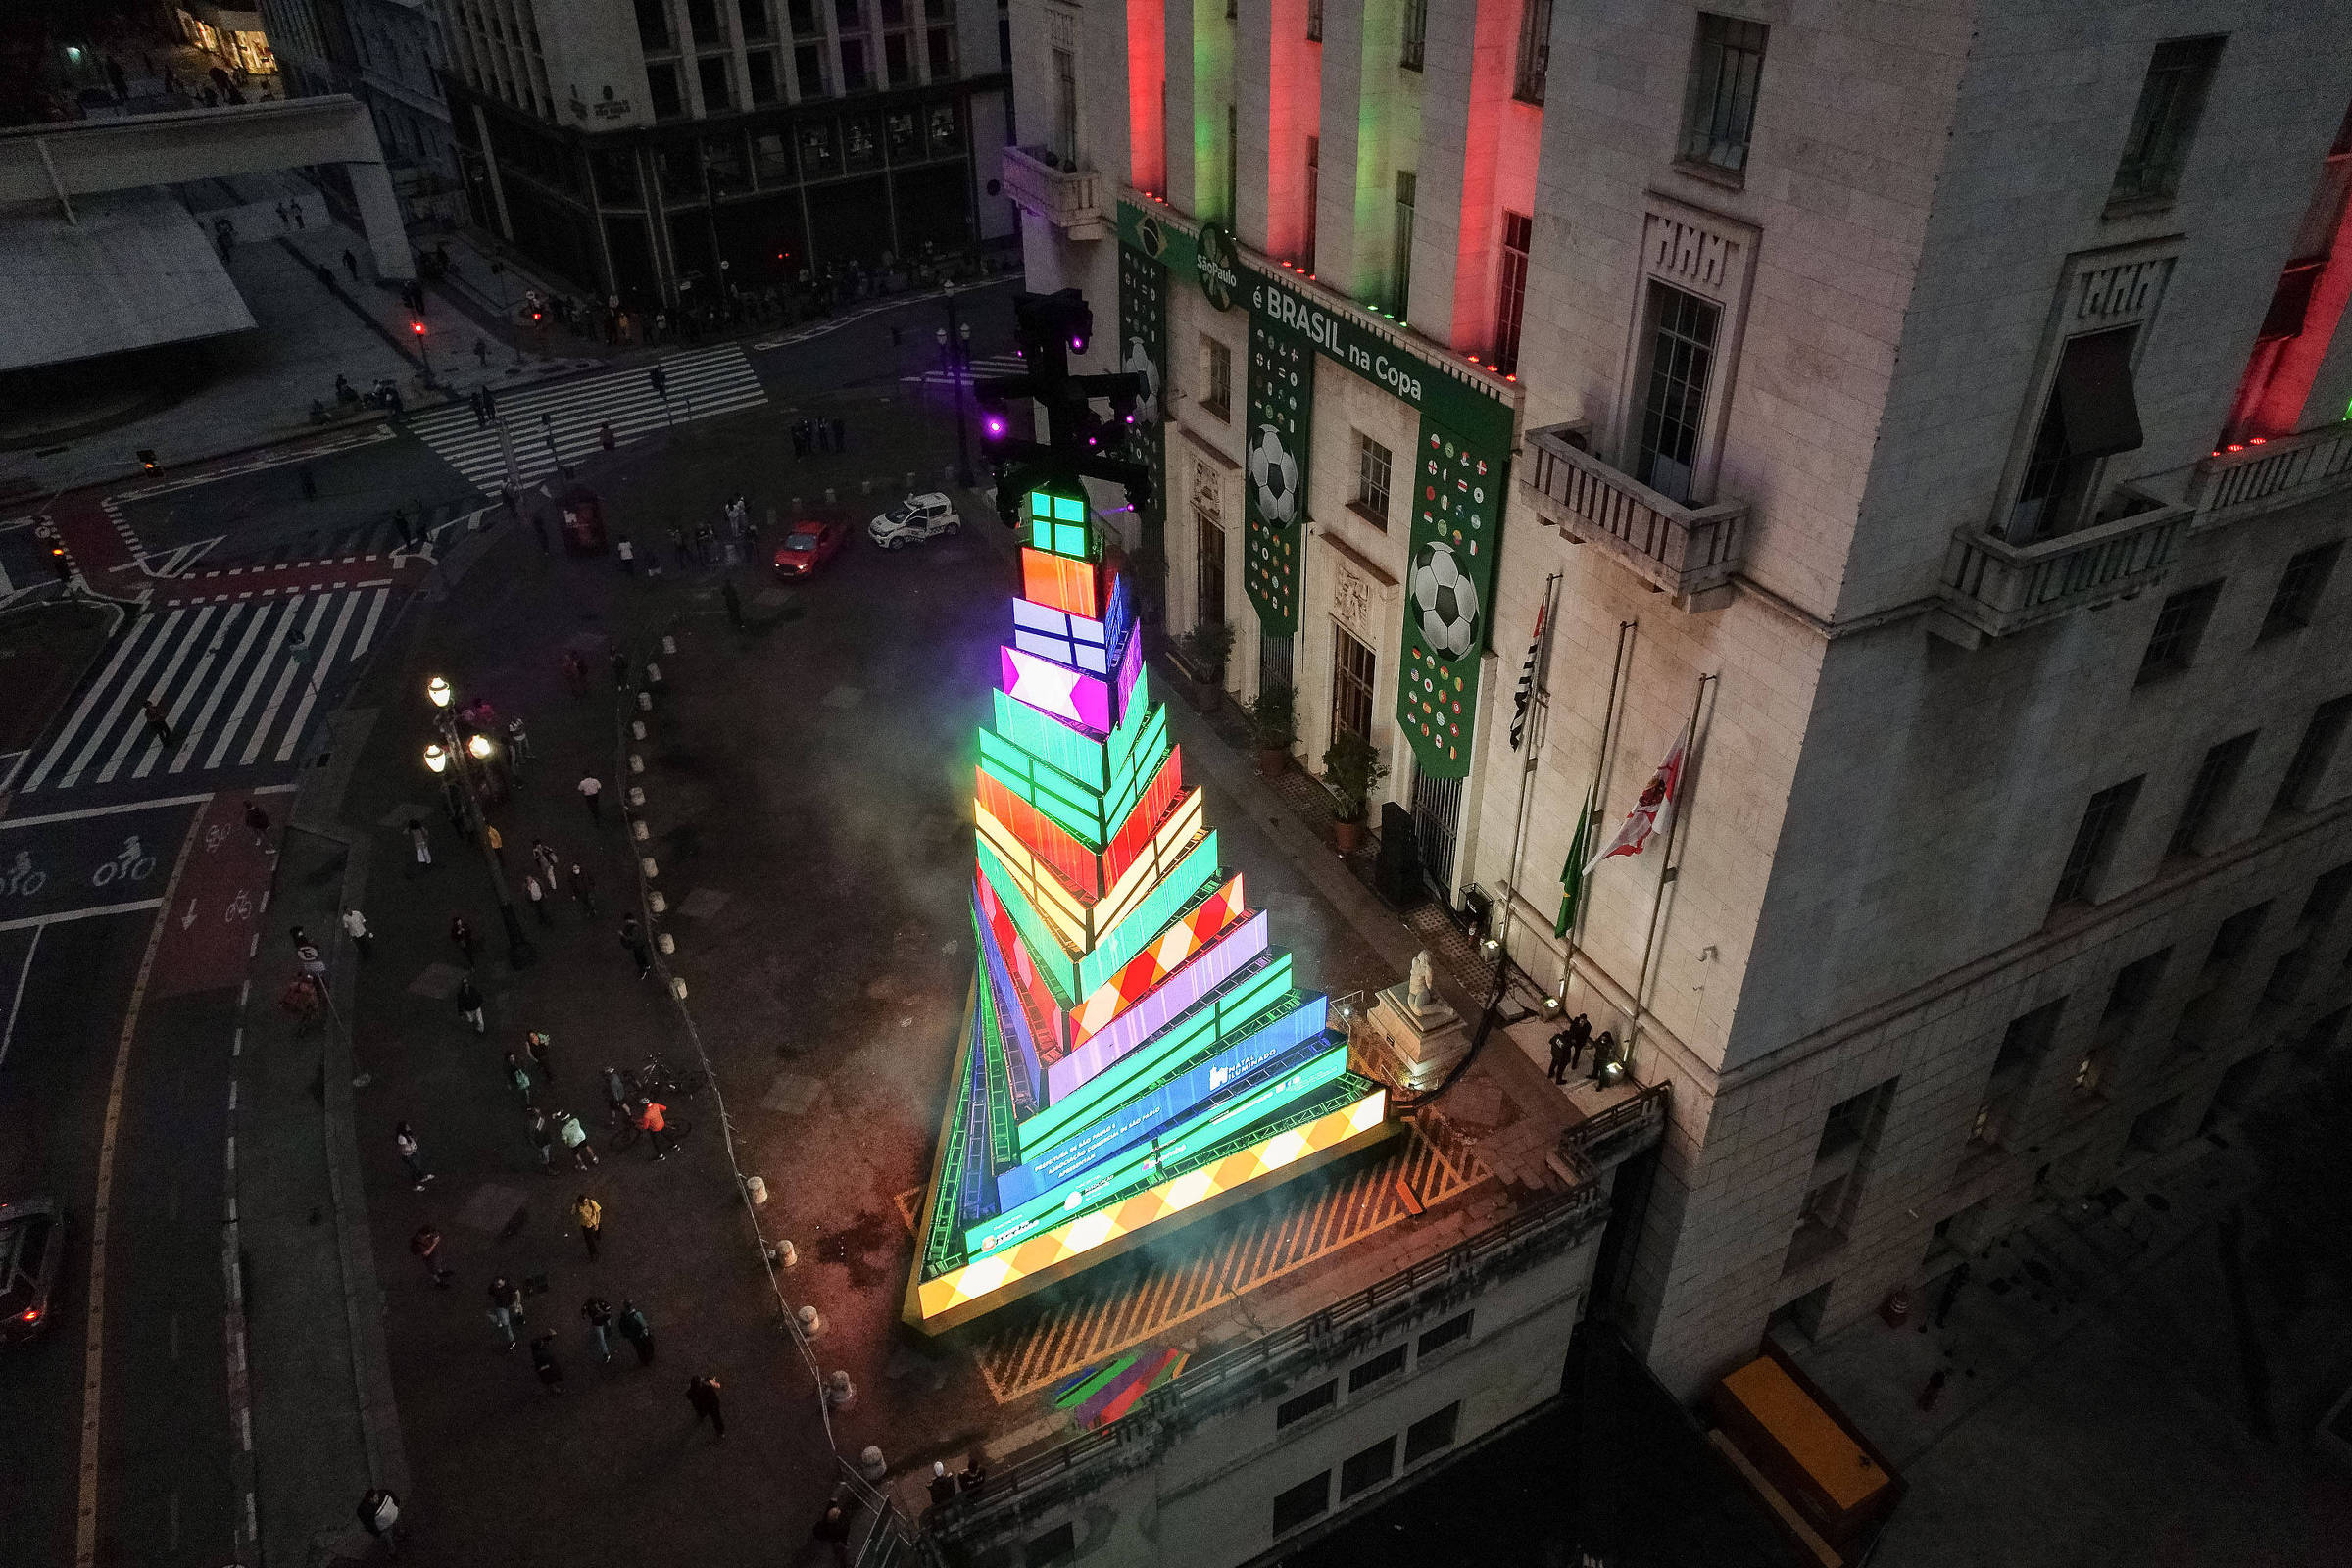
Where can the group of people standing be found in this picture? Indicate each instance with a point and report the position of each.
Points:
(1569, 1044)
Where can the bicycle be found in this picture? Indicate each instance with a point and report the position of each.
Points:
(656, 1079)
(629, 1134)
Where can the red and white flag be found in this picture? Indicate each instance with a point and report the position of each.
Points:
(1652, 815)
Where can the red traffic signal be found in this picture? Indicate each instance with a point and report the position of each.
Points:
(417, 327)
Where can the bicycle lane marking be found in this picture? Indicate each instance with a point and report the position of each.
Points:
(76, 866)
(211, 925)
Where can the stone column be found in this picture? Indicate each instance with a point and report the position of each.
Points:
(380, 216)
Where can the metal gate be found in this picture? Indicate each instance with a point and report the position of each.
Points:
(1273, 661)
(1437, 824)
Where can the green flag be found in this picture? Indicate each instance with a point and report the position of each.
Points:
(1572, 875)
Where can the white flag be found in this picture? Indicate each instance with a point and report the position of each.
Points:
(1652, 814)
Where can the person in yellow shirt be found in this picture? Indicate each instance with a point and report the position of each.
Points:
(591, 1216)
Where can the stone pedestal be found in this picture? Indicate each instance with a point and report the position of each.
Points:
(1423, 1043)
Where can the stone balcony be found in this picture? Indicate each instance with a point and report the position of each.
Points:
(1072, 202)
(1688, 552)
(2251, 478)
(1992, 588)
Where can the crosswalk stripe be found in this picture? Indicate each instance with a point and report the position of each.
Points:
(97, 690)
(309, 691)
(701, 385)
(253, 683)
(375, 611)
(220, 688)
(113, 711)
(277, 696)
(162, 688)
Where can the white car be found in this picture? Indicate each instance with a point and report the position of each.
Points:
(916, 517)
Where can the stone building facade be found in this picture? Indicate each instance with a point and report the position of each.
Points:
(1949, 412)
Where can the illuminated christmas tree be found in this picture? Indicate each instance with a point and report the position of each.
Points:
(1137, 1054)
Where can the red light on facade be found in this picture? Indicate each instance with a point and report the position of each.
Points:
(2234, 446)
(1510, 378)
(2259, 440)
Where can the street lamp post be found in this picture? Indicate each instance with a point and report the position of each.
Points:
(438, 755)
(424, 350)
(956, 339)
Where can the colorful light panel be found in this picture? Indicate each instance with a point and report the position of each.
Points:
(1136, 1053)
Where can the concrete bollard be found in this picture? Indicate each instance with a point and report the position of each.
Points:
(666, 942)
(755, 1188)
(638, 830)
(636, 729)
(811, 1324)
(771, 511)
(677, 988)
(652, 674)
(871, 1465)
(644, 701)
(840, 1393)
(636, 795)
(830, 498)
(655, 901)
(866, 487)
(947, 477)
(787, 1254)
(911, 481)
(646, 865)
(669, 644)
(636, 763)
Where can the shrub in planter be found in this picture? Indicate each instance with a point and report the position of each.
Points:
(1275, 718)
(1207, 646)
(1353, 770)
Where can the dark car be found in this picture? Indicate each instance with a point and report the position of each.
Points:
(809, 546)
(32, 1241)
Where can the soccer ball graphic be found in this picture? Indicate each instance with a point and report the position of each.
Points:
(1275, 473)
(1446, 600)
(1139, 362)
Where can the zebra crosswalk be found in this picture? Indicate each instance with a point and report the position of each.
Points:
(238, 681)
(983, 367)
(701, 385)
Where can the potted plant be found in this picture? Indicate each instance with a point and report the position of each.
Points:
(1275, 718)
(1353, 770)
(1207, 646)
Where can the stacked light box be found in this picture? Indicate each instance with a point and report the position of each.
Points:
(1138, 1053)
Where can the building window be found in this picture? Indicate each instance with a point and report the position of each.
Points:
(2091, 414)
(1415, 41)
(1216, 365)
(2170, 99)
(2300, 588)
(2094, 842)
(1510, 297)
(1719, 114)
(1306, 1500)
(1360, 1472)
(809, 67)
(2028, 1036)
(2327, 896)
(763, 70)
(1386, 1363)
(942, 54)
(2132, 990)
(1682, 361)
(661, 85)
(717, 90)
(2233, 936)
(1401, 245)
(1299, 1406)
(652, 26)
(1315, 21)
(702, 18)
(1372, 481)
(804, 18)
(1534, 51)
(854, 76)
(1059, 1544)
(2180, 626)
(1451, 1331)
(1430, 1434)
(1209, 579)
(2210, 789)
(2313, 754)
(1351, 671)
(2286, 977)
(1066, 107)
(2090, 1074)
(755, 16)
(1314, 191)
(898, 58)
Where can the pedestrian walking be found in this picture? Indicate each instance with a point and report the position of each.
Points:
(520, 1076)
(481, 352)
(603, 435)
(943, 1484)
(518, 739)
(833, 1528)
(539, 1047)
(379, 1516)
(626, 553)
(1558, 1072)
(159, 724)
(284, 221)
(616, 1096)
(543, 1362)
(596, 1313)
(404, 1139)
(637, 1331)
(539, 532)
(620, 670)
(258, 821)
(426, 1246)
(583, 888)
(296, 206)
(800, 439)
(351, 265)
(575, 1137)
(592, 789)
(506, 1307)
(590, 1216)
(575, 673)
(363, 939)
(543, 1139)
(550, 866)
(474, 400)
(652, 1120)
(632, 937)
(703, 1394)
(840, 434)
(704, 536)
(537, 894)
(497, 841)
(460, 932)
(677, 542)
(1934, 1389)
(734, 604)
(418, 839)
(469, 1004)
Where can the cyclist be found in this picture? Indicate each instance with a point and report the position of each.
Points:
(652, 1121)
(616, 1096)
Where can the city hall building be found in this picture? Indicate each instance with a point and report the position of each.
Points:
(1914, 439)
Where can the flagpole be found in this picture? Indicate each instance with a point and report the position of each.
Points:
(1539, 711)
(1668, 871)
(1597, 800)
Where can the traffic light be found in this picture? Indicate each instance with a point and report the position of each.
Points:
(1080, 442)
(147, 461)
(417, 327)
(659, 379)
(60, 565)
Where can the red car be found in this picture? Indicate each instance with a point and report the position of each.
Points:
(809, 546)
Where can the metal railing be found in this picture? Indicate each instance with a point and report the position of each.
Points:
(1069, 201)
(1210, 1387)
(1683, 550)
(1588, 1147)
(2000, 588)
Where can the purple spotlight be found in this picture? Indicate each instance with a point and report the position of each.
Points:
(996, 426)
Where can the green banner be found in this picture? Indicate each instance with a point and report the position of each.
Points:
(1282, 400)
(1144, 350)
(1457, 525)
